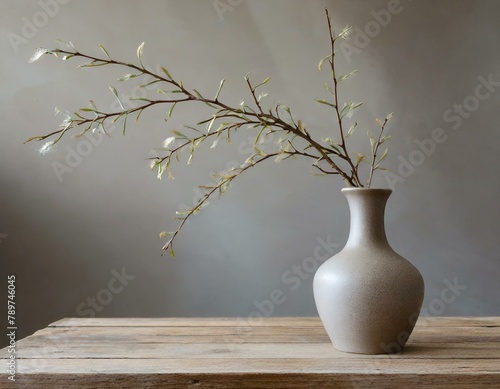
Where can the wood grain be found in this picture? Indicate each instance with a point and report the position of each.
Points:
(232, 353)
(431, 321)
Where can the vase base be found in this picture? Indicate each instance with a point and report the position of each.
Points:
(392, 350)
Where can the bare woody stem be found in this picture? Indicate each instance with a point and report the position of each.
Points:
(104, 116)
(373, 165)
(354, 178)
(261, 116)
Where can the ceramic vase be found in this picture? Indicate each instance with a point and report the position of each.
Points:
(368, 296)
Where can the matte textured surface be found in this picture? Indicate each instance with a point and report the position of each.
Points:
(444, 353)
(368, 296)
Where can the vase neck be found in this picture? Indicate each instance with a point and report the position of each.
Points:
(367, 207)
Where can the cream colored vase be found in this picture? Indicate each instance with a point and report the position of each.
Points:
(368, 296)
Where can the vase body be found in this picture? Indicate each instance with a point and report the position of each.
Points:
(368, 296)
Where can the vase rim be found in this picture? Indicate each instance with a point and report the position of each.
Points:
(356, 189)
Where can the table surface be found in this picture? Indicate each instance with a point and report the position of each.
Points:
(459, 352)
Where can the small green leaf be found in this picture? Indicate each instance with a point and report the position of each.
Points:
(149, 83)
(139, 113)
(113, 90)
(356, 105)
(125, 124)
(92, 64)
(347, 76)
(140, 50)
(164, 234)
(325, 103)
(166, 73)
(348, 108)
(360, 158)
(256, 141)
(372, 141)
(198, 94)
(206, 187)
(320, 65)
(351, 129)
(179, 135)
(211, 123)
(346, 31)
(259, 151)
(115, 93)
(127, 77)
(301, 127)
(262, 83)
(104, 51)
(383, 155)
(333, 144)
(140, 99)
(170, 111)
(218, 90)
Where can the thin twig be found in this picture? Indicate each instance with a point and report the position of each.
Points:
(374, 153)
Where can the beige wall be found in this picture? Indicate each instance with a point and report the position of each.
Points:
(92, 232)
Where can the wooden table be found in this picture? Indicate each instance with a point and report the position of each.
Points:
(231, 353)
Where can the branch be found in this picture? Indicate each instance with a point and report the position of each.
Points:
(242, 114)
(100, 118)
(206, 196)
(375, 146)
(354, 181)
(264, 120)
